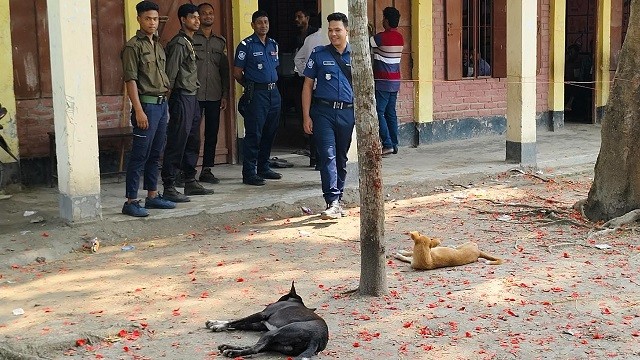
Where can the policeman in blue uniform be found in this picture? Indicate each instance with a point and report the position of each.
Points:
(255, 66)
(328, 110)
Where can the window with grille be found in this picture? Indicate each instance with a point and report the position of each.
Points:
(475, 39)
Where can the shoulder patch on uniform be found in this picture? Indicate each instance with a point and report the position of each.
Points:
(310, 63)
(242, 55)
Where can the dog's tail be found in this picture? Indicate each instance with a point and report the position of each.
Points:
(491, 260)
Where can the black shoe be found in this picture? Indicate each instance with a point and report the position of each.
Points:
(206, 176)
(254, 180)
(179, 182)
(395, 149)
(270, 174)
(193, 187)
(387, 151)
(313, 163)
(170, 193)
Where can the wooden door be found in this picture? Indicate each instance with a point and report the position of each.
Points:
(169, 26)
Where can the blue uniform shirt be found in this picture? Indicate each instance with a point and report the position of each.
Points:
(332, 83)
(259, 61)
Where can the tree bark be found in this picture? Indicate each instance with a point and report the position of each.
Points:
(616, 183)
(373, 277)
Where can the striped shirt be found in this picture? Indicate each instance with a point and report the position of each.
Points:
(387, 49)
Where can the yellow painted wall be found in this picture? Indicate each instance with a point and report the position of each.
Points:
(7, 95)
(130, 19)
(241, 13)
(422, 45)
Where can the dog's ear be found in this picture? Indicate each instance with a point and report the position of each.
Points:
(414, 235)
(292, 292)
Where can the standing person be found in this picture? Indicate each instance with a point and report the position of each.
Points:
(143, 62)
(183, 133)
(301, 20)
(387, 50)
(310, 42)
(330, 119)
(213, 75)
(254, 68)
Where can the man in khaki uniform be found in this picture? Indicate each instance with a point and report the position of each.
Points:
(183, 133)
(143, 62)
(213, 74)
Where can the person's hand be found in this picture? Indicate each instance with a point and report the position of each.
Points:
(223, 104)
(371, 29)
(142, 122)
(307, 125)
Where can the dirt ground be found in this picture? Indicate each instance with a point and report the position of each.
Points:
(557, 296)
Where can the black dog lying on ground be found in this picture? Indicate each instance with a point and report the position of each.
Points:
(291, 328)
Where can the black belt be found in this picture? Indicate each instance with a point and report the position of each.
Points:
(334, 104)
(153, 99)
(264, 86)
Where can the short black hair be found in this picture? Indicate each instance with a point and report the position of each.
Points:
(185, 9)
(144, 6)
(203, 5)
(338, 16)
(392, 15)
(306, 12)
(259, 14)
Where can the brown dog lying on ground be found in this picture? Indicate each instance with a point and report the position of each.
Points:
(427, 254)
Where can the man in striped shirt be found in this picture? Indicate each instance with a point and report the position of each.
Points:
(387, 50)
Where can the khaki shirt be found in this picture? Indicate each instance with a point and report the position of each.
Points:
(181, 64)
(145, 62)
(213, 66)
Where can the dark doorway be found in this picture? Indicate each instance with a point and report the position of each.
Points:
(282, 28)
(579, 73)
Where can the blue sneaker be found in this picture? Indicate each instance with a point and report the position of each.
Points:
(158, 202)
(134, 209)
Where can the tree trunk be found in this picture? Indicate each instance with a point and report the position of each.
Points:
(373, 276)
(616, 183)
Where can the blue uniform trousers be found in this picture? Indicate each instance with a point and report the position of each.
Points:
(332, 130)
(147, 145)
(386, 109)
(183, 138)
(261, 122)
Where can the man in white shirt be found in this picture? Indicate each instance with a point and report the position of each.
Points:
(318, 38)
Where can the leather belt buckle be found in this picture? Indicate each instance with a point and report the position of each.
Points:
(338, 105)
(271, 86)
(161, 99)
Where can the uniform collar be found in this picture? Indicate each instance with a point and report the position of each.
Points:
(181, 32)
(255, 37)
(201, 33)
(141, 34)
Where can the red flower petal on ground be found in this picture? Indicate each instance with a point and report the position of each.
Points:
(176, 312)
(205, 294)
(606, 311)
(635, 333)
(407, 324)
(598, 336)
(126, 349)
(239, 280)
(356, 344)
(81, 342)
(123, 333)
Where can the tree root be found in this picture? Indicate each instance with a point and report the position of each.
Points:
(626, 219)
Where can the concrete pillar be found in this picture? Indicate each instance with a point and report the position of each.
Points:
(241, 13)
(422, 45)
(558, 11)
(603, 58)
(521, 82)
(74, 109)
(7, 95)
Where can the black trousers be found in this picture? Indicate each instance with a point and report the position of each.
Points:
(211, 111)
(183, 138)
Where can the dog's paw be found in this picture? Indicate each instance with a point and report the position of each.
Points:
(216, 325)
(229, 352)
